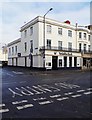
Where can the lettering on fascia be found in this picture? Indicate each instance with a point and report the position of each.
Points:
(64, 53)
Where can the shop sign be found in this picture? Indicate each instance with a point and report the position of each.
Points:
(65, 53)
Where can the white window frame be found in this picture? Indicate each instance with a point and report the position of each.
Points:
(49, 28)
(60, 31)
(69, 33)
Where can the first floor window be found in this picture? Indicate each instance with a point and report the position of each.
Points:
(59, 44)
(69, 46)
(89, 37)
(60, 31)
(84, 35)
(25, 46)
(48, 28)
(9, 50)
(31, 45)
(79, 46)
(31, 30)
(80, 35)
(15, 49)
(12, 50)
(48, 43)
(69, 33)
(88, 48)
(84, 47)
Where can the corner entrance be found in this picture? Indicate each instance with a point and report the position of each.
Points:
(54, 62)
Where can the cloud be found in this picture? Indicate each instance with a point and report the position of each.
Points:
(16, 13)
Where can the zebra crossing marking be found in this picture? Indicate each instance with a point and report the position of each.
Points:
(24, 106)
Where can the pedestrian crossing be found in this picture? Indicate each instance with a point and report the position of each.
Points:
(43, 100)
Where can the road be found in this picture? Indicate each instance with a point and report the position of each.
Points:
(45, 94)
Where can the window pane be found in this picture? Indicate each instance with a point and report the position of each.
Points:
(60, 31)
(48, 28)
(69, 45)
(84, 35)
(60, 44)
(31, 30)
(70, 33)
(80, 35)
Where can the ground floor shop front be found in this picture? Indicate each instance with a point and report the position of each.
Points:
(52, 60)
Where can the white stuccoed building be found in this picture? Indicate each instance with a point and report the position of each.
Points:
(66, 45)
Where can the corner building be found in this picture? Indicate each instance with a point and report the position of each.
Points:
(55, 46)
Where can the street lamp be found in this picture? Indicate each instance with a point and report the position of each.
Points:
(44, 36)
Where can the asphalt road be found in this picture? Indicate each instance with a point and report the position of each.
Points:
(46, 94)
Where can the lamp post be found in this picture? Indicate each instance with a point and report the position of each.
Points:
(44, 35)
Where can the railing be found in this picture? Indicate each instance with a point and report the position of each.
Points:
(64, 49)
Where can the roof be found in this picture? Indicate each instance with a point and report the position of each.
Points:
(14, 42)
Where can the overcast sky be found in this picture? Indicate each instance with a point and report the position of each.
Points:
(16, 12)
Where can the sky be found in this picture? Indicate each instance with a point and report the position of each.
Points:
(14, 14)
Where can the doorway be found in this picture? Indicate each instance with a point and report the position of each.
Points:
(65, 61)
(54, 62)
(70, 61)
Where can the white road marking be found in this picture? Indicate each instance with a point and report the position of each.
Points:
(1, 105)
(64, 98)
(45, 102)
(17, 72)
(14, 93)
(87, 93)
(74, 96)
(43, 88)
(66, 85)
(10, 75)
(30, 93)
(42, 98)
(51, 87)
(60, 84)
(69, 93)
(36, 92)
(80, 90)
(89, 89)
(24, 106)
(18, 102)
(4, 110)
(39, 89)
(55, 96)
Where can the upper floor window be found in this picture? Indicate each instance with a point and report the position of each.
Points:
(69, 33)
(9, 50)
(25, 46)
(48, 28)
(89, 37)
(85, 36)
(31, 30)
(12, 50)
(59, 44)
(69, 46)
(89, 48)
(25, 33)
(79, 46)
(60, 31)
(80, 35)
(49, 43)
(84, 47)
(31, 46)
(15, 49)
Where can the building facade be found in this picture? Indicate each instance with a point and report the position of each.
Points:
(3, 55)
(55, 46)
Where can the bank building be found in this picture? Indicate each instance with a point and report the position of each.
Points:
(51, 44)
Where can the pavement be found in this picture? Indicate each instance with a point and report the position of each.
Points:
(31, 94)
